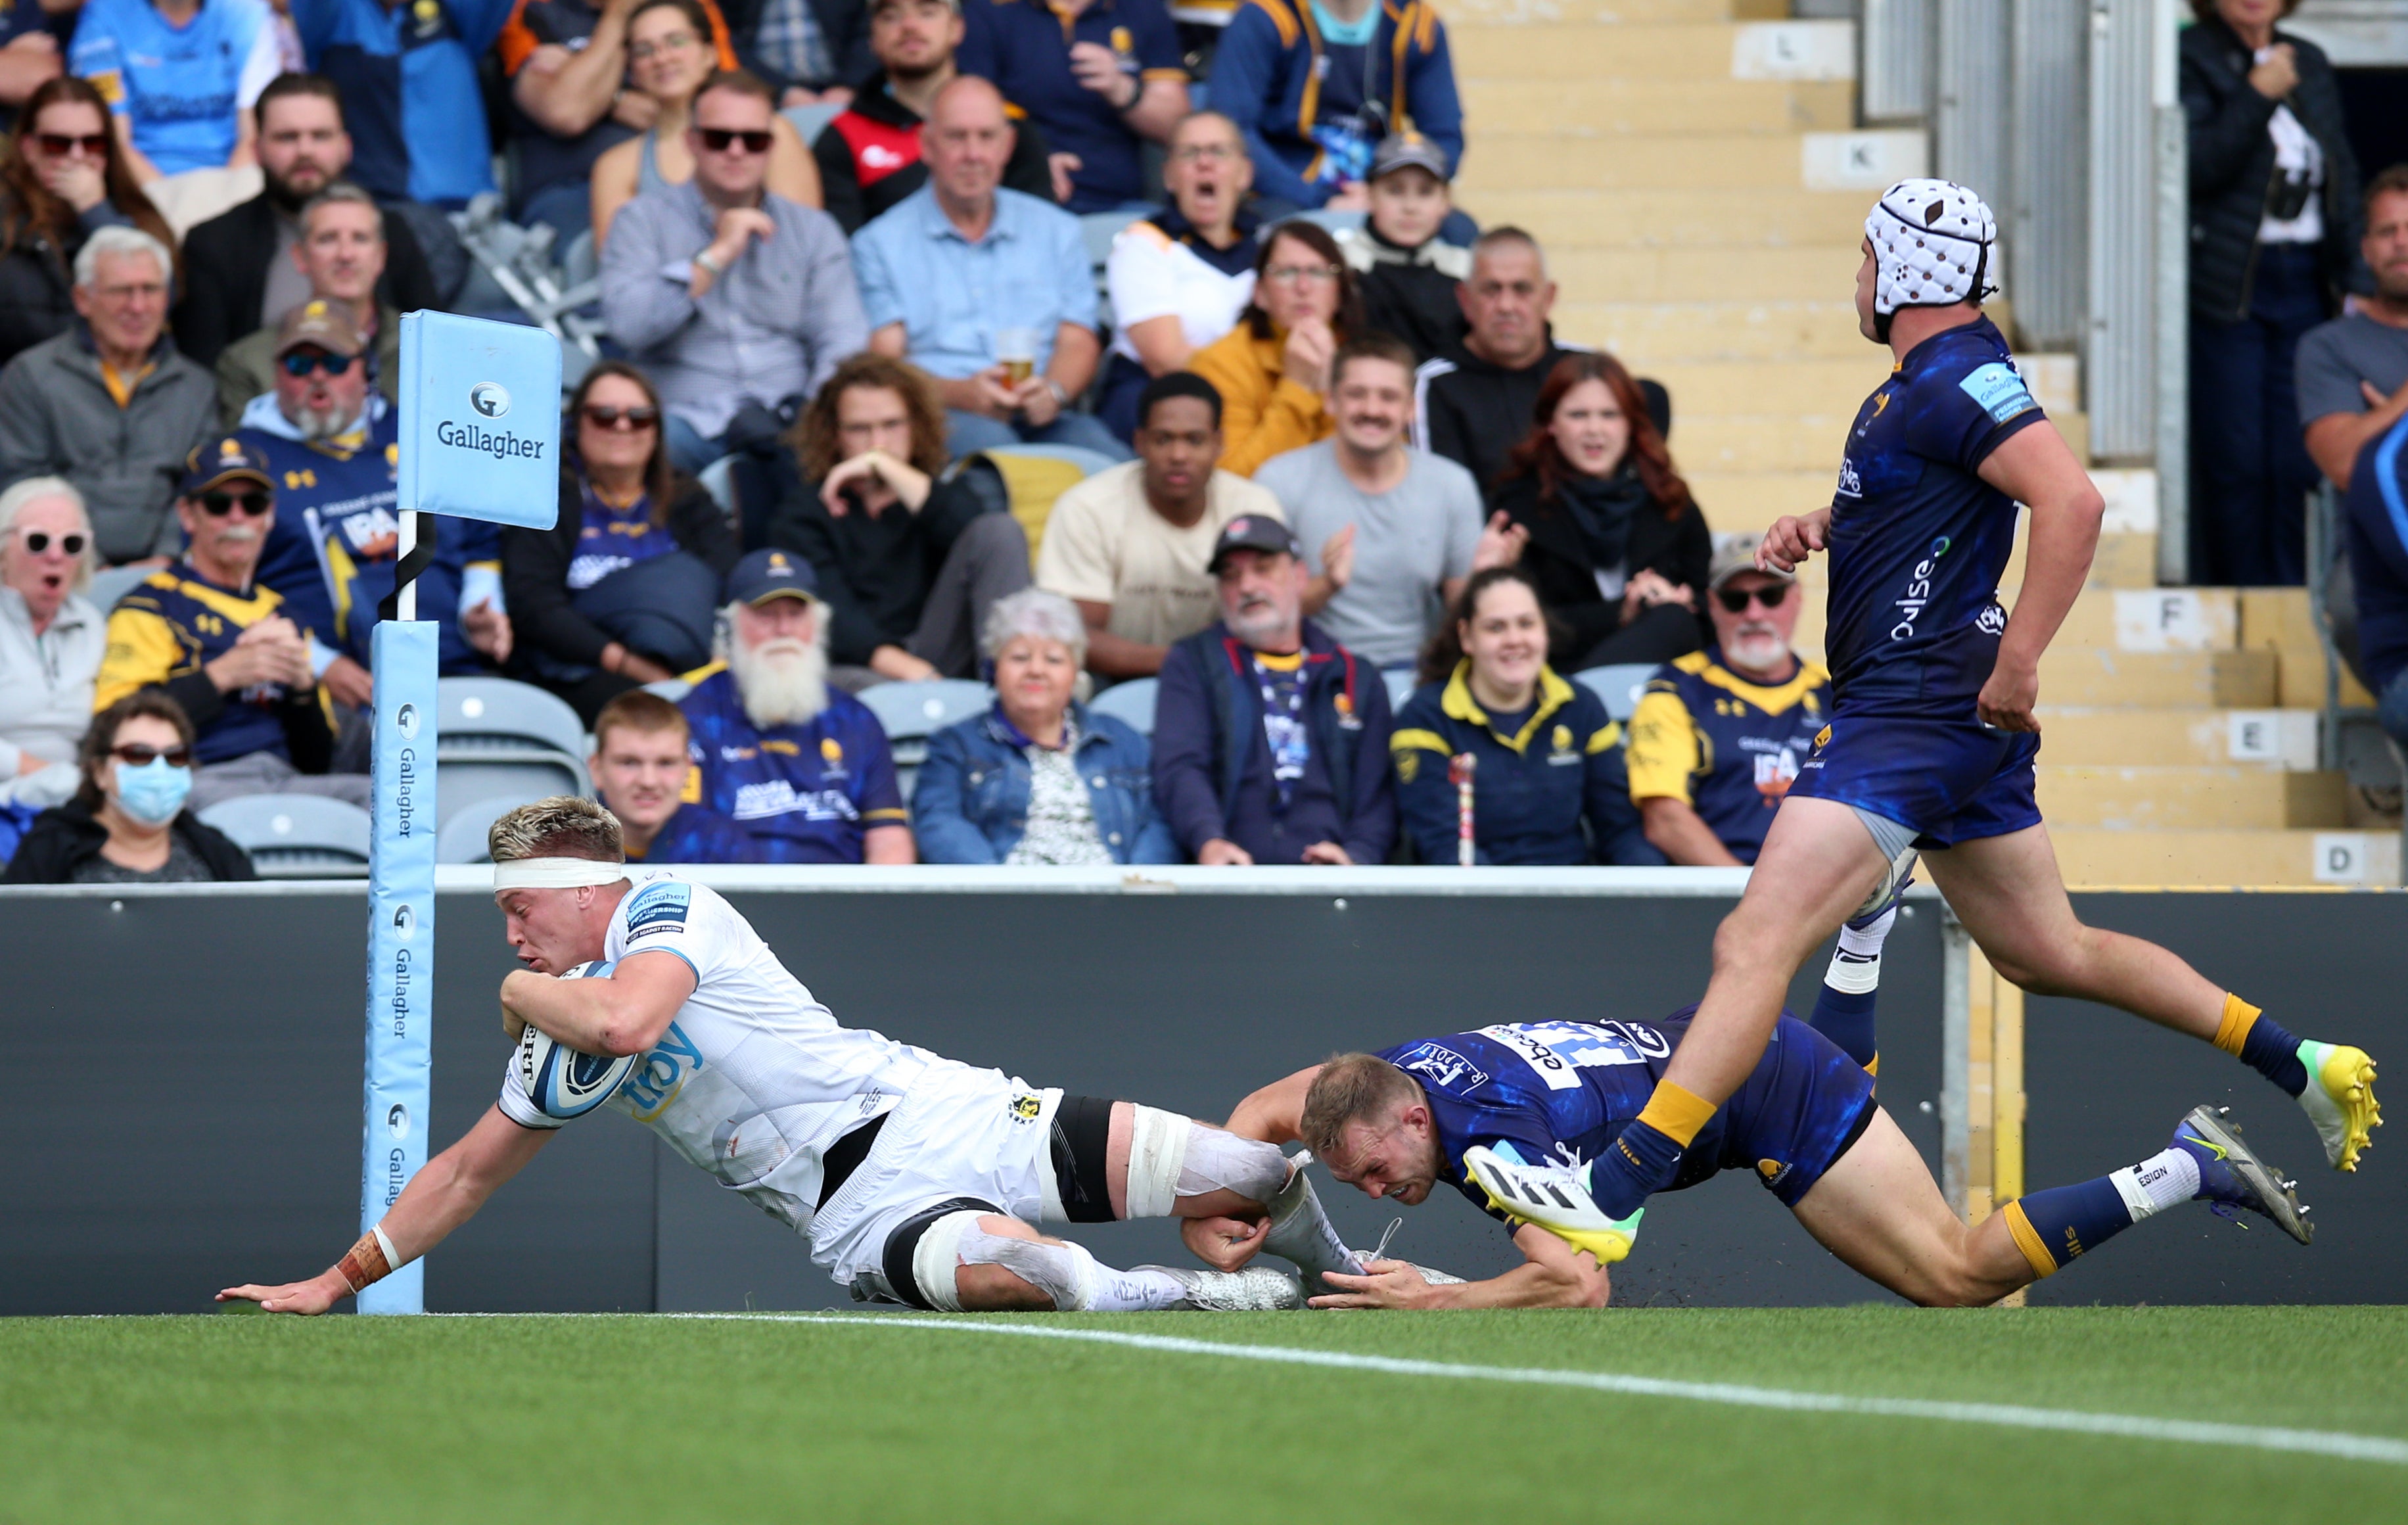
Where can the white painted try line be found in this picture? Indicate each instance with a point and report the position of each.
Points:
(2014, 1416)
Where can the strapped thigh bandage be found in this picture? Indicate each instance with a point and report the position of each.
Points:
(1065, 1272)
(1172, 1156)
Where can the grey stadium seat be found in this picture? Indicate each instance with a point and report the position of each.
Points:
(501, 740)
(296, 836)
(114, 583)
(462, 837)
(911, 712)
(1131, 703)
(1619, 686)
(1400, 687)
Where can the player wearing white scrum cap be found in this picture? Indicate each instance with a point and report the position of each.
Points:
(915, 1179)
(1930, 242)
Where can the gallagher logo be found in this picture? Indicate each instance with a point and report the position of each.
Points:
(491, 398)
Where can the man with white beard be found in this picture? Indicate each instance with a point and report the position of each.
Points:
(1720, 733)
(332, 447)
(804, 769)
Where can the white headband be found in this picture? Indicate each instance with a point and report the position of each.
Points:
(555, 873)
(1931, 241)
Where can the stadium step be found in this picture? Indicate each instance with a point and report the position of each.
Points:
(1566, 218)
(2090, 677)
(1701, 275)
(1514, 116)
(2143, 798)
(2100, 857)
(2266, 740)
(1465, 13)
(1672, 51)
(1722, 162)
(1649, 332)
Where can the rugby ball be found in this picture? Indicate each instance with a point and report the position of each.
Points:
(562, 1082)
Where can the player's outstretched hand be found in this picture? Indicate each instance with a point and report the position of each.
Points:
(2007, 699)
(1392, 1284)
(1792, 539)
(1223, 1243)
(314, 1296)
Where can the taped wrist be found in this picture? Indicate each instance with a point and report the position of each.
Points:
(367, 1262)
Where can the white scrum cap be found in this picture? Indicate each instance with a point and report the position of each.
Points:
(1931, 245)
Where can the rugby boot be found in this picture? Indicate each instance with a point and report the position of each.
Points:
(1431, 1275)
(1253, 1289)
(1300, 1234)
(2340, 1100)
(1554, 1198)
(2233, 1179)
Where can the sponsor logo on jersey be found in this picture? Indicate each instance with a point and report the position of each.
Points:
(1443, 1066)
(1851, 484)
(1774, 1171)
(1025, 1107)
(659, 907)
(1556, 1051)
(652, 1085)
(779, 797)
(1999, 391)
(1991, 621)
(1910, 604)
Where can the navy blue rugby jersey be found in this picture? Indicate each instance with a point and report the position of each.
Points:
(1918, 541)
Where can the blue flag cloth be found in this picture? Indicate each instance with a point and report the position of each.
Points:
(479, 420)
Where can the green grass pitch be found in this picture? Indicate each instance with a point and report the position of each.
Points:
(663, 1419)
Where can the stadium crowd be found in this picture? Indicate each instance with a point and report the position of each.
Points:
(1295, 442)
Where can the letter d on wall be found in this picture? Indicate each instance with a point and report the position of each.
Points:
(401, 938)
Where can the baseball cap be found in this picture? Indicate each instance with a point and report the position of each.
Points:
(328, 322)
(1735, 554)
(765, 574)
(1251, 532)
(1399, 150)
(210, 465)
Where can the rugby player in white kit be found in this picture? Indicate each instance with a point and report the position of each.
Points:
(913, 1179)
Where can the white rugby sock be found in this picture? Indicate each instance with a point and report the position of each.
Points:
(2158, 1182)
(1855, 963)
(1134, 1291)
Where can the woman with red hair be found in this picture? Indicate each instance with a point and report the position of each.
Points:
(62, 173)
(1619, 549)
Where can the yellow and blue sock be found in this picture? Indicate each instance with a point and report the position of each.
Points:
(2262, 1044)
(1642, 1160)
(2062, 1223)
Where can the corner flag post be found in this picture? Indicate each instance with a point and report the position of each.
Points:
(462, 451)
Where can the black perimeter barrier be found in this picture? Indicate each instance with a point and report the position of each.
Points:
(188, 1072)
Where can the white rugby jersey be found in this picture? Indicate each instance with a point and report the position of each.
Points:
(753, 1078)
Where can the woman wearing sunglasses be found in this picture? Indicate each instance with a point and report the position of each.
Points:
(624, 589)
(1546, 761)
(51, 640)
(60, 177)
(127, 824)
(669, 54)
(1719, 735)
(1619, 547)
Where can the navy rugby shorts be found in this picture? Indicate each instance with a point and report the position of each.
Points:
(1949, 780)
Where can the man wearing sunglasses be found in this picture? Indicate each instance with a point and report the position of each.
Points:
(1720, 733)
(221, 644)
(737, 303)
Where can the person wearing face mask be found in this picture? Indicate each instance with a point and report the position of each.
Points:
(1619, 547)
(51, 643)
(128, 823)
(213, 639)
(1547, 780)
(1038, 778)
(1719, 734)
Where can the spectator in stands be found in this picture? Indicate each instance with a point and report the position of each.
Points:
(241, 270)
(51, 643)
(333, 454)
(567, 61)
(1542, 748)
(1619, 547)
(1316, 86)
(29, 57)
(180, 78)
(1389, 532)
(1719, 734)
(131, 821)
(592, 617)
(1272, 369)
(1406, 272)
(674, 63)
(1100, 78)
(1038, 778)
(739, 301)
(222, 646)
(64, 176)
(1475, 402)
(642, 764)
(1180, 279)
(2353, 371)
(408, 74)
(341, 257)
(907, 565)
(961, 270)
(801, 768)
(810, 51)
(1130, 546)
(110, 405)
(1270, 740)
(869, 153)
(2275, 218)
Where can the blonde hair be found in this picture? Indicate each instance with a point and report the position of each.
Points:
(563, 826)
(1351, 1088)
(13, 501)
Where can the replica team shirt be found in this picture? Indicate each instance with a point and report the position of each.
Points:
(175, 622)
(1918, 541)
(1025, 46)
(805, 794)
(178, 87)
(754, 1079)
(1726, 747)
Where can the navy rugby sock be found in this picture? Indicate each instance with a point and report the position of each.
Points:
(2262, 1044)
(2055, 1227)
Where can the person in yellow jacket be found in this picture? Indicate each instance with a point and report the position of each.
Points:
(1272, 371)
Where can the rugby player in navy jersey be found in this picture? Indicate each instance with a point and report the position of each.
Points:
(1930, 747)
